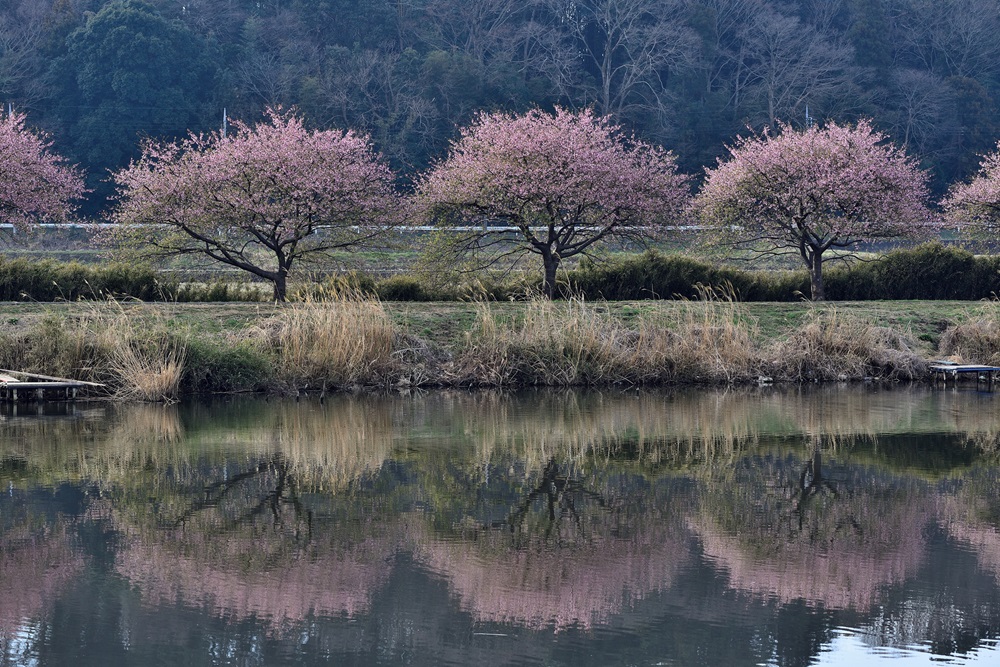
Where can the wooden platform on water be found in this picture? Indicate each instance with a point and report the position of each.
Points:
(948, 369)
(20, 386)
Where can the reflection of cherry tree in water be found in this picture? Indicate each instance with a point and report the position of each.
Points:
(566, 555)
(813, 484)
(269, 488)
(793, 532)
(248, 546)
(559, 495)
(971, 515)
(37, 559)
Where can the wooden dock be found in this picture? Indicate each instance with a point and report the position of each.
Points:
(945, 370)
(20, 386)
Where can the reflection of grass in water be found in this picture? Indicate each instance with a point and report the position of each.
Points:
(347, 437)
(692, 429)
(325, 446)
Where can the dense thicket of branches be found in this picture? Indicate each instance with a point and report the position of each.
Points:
(689, 74)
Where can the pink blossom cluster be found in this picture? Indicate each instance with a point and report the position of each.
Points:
(35, 183)
(977, 202)
(568, 173)
(577, 582)
(824, 186)
(268, 187)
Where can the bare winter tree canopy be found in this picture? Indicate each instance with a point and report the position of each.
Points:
(813, 190)
(564, 182)
(259, 198)
(35, 183)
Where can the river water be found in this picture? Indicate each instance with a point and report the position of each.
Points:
(829, 526)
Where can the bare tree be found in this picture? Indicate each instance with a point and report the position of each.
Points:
(920, 102)
(480, 29)
(723, 21)
(950, 37)
(22, 32)
(786, 65)
(369, 91)
(624, 50)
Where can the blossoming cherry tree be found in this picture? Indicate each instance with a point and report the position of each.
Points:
(36, 185)
(259, 198)
(977, 202)
(552, 185)
(810, 191)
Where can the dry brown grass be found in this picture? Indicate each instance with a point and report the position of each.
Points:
(146, 362)
(347, 340)
(341, 340)
(977, 340)
(128, 347)
(575, 343)
(712, 340)
(555, 343)
(973, 342)
(838, 346)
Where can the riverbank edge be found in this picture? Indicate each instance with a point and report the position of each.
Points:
(163, 352)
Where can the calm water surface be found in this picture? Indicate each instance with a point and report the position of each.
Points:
(828, 527)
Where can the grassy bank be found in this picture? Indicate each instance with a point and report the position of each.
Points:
(163, 351)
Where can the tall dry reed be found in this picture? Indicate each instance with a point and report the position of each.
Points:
(147, 364)
(575, 343)
(344, 339)
(976, 341)
(128, 347)
(837, 346)
(554, 343)
(710, 340)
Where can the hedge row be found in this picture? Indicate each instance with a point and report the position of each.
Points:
(930, 271)
(46, 280)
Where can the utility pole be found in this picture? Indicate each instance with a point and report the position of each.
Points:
(225, 122)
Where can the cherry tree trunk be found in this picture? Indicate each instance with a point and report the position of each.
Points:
(280, 280)
(816, 277)
(551, 263)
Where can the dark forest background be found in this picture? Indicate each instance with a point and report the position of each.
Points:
(689, 74)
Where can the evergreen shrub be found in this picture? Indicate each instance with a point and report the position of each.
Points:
(653, 275)
(929, 271)
(224, 368)
(402, 288)
(31, 280)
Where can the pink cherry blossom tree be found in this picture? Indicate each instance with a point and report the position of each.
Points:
(977, 203)
(808, 191)
(35, 183)
(551, 185)
(259, 198)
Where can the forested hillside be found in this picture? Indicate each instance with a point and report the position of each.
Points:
(689, 74)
